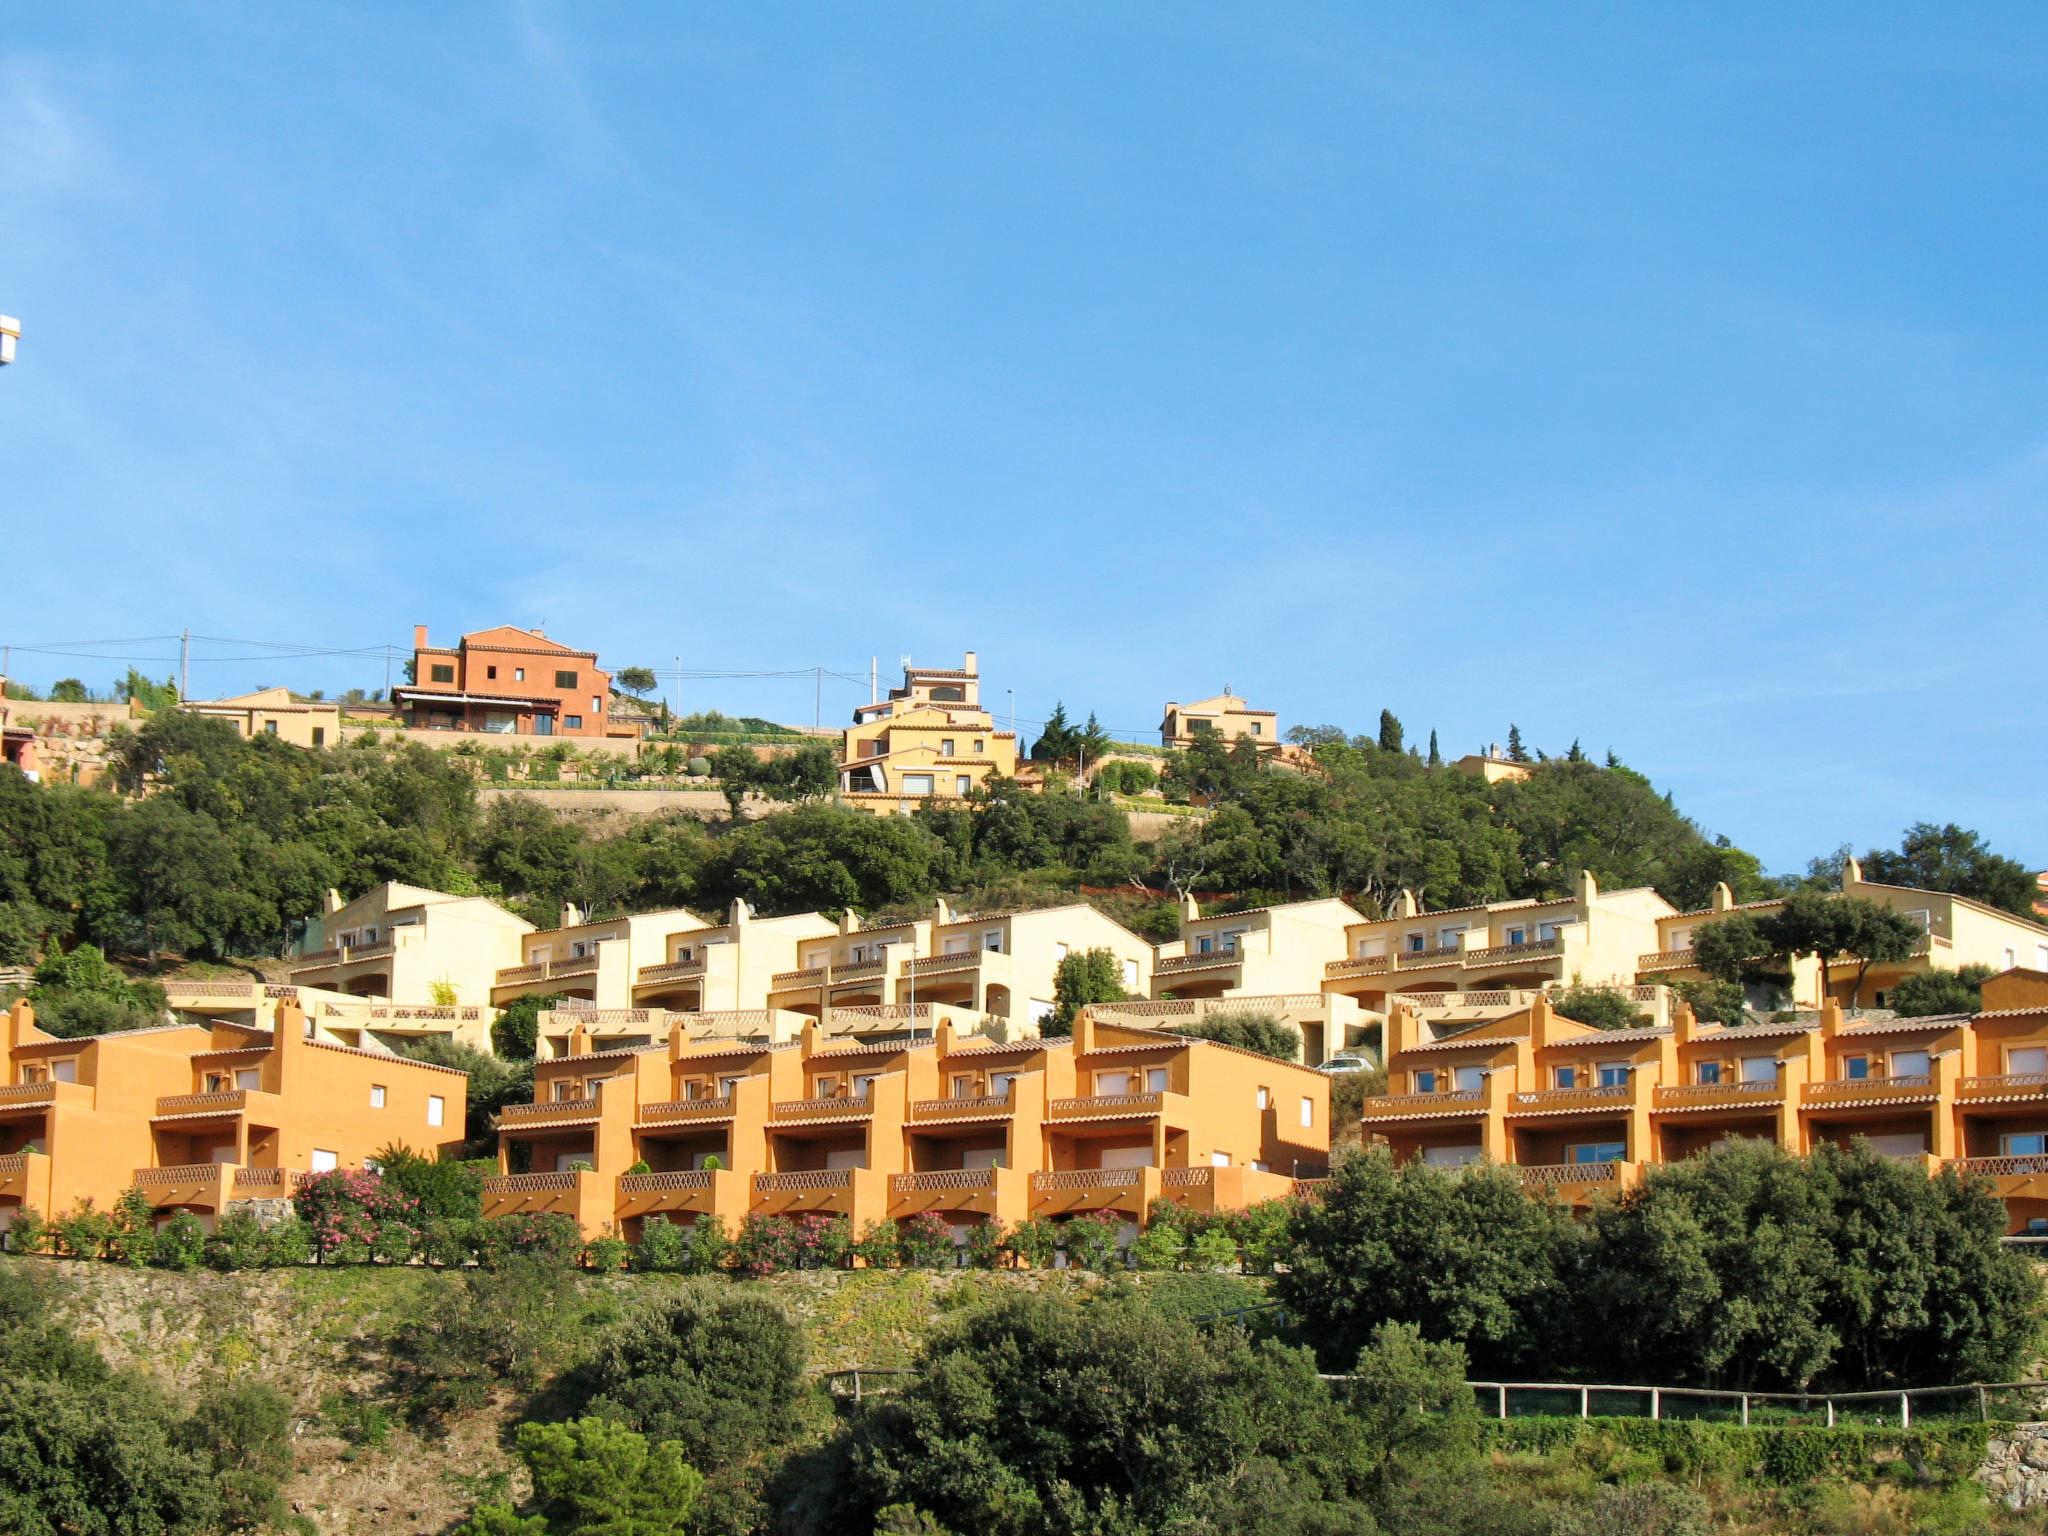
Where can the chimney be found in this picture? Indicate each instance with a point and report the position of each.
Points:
(1724, 899)
(972, 662)
(419, 637)
(333, 902)
(1190, 909)
(570, 916)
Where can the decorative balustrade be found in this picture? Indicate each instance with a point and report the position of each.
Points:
(655, 1183)
(673, 971)
(281, 989)
(28, 1093)
(971, 1104)
(687, 1109)
(1550, 1175)
(798, 1183)
(579, 1108)
(1178, 963)
(313, 958)
(237, 989)
(513, 975)
(1187, 1178)
(929, 965)
(943, 1178)
(1105, 1103)
(1435, 954)
(1088, 1178)
(423, 1013)
(593, 1017)
(866, 970)
(1666, 960)
(1456, 1099)
(1735, 1090)
(888, 1013)
(2004, 1083)
(1531, 949)
(228, 1101)
(181, 1173)
(1996, 1166)
(804, 977)
(1908, 1086)
(1359, 965)
(262, 1178)
(798, 1109)
(1591, 1095)
(530, 1183)
(13, 1162)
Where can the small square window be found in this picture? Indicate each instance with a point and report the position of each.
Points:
(490, 671)
(572, 722)
(565, 680)
(1425, 1081)
(376, 1095)
(519, 674)
(1567, 1077)
(442, 672)
(437, 1107)
(1708, 1072)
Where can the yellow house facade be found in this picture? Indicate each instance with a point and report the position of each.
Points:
(1226, 717)
(597, 963)
(274, 712)
(929, 740)
(404, 944)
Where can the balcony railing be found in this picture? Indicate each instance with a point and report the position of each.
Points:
(655, 1183)
(973, 1104)
(1105, 1104)
(805, 977)
(530, 1183)
(806, 1109)
(1456, 1099)
(1995, 1166)
(675, 970)
(181, 1173)
(942, 1179)
(932, 965)
(1591, 1095)
(2028, 1083)
(1737, 1090)
(14, 1095)
(1358, 965)
(13, 1162)
(1187, 1178)
(1435, 954)
(1551, 1175)
(237, 989)
(1667, 960)
(1179, 963)
(229, 1101)
(265, 1178)
(867, 970)
(687, 1109)
(557, 1109)
(1911, 1086)
(1530, 950)
(800, 1183)
(1088, 1178)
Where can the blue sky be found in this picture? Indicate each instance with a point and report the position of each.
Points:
(1672, 382)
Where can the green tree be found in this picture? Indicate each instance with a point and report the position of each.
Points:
(637, 681)
(68, 690)
(1411, 1398)
(515, 1034)
(1831, 927)
(79, 994)
(1249, 1030)
(1951, 858)
(1436, 758)
(1600, 1006)
(1926, 993)
(1058, 742)
(1083, 977)
(1517, 753)
(1390, 737)
(592, 1477)
(1731, 949)
(823, 858)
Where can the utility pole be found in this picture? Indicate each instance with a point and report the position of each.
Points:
(677, 712)
(874, 689)
(817, 698)
(1013, 709)
(184, 666)
(387, 672)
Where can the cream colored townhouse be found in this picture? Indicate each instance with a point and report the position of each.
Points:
(407, 944)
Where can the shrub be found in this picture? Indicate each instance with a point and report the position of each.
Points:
(237, 1241)
(985, 1243)
(597, 1477)
(287, 1243)
(663, 1249)
(765, 1246)
(1637, 1509)
(710, 1246)
(925, 1241)
(607, 1254)
(1601, 1007)
(447, 1244)
(1212, 1248)
(819, 1241)
(180, 1244)
(1261, 1233)
(1035, 1242)
(449, 1191)
(28, 1232)
(83, 1233)
(1265, 1033)
(348, 1210)
(1163, 1244)
(511, 1323)
(1095, 1240)
(133, 1238)
(547, 1236)
(876, 1246)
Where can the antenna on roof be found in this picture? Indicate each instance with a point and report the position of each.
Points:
(905, 659)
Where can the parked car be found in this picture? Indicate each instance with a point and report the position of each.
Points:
(1345, 1062)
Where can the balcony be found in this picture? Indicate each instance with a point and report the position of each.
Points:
(981, 1106)
(1999, 1167)
(544, 970)
(810, 975)
(675, 970)
(1915, 1089)
(655, 1183)
(684, 1111)
(861, 1193)
(28, 1095)
(523, 1117)
(867, 970)
(943, 1179)
(1435, 954)
(941, 965)
(25, 1179)
(182, 1106)
(717, 1192)
(194, 1184)
(266, 1183)
(1563, 1100)
(1103, 1106)
(1681, 1097)
(1181, 965)
(1578, 1183)
(2005, 1086)
(1666, 960)
(804, 1181)
(576, 1193)
(810, 1110)
(1130, 1190)
(1534, 949)
(1400, 1106)
(1362, 965)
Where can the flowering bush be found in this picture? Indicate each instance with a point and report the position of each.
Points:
(1034, 1242)
(765, 1245)
(180, 1243)
(1095, 1241)
(925, 1241)
(985, 1243)
(876, 1246)
(546, 1235)
(348, 1211)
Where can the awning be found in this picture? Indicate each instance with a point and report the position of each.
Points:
(427, 696)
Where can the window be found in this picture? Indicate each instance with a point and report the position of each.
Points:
(1855, 1068)
(1566, 1077)
(319, 735)
(963, 1085)
(981, 746)
(1450, 1157)
(519, 674)
(1413, 943)
(999, 1084)
(1205, 945)
(917, 783)
(1108, 1084)
(2011, 957)
(376, 1095)
(1425, 1081)
(1308, 1111)
(1910, 1064)
(1447, 938)
(1059, 952)
(490, 672)
(65, 1070)
(2023, 1144)
(1265, 1098)
(437, 1108)
(596, 705)
(324, 1161)
(249, 1078)
(864, 1086)
(992, 941)
(270, 729)
(1708, 1072)
(726, 1085)
(1923, 917)
(946, 747)
(1518, 936)
(1230, 939)
(1545, 932)
(1596, 1152)
(1155, 1080)
(963, 784)
(956, 946)
(2026, 1060)
(1759, 1069)
(566, 680)
(1681, 938)
(543, 725)
(1219, 1159)
(1613, 1074)
(441, 672)
(1130, 975)
(1255, 728)
(572, 722)
(1468, 1079)
(825, 1087)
